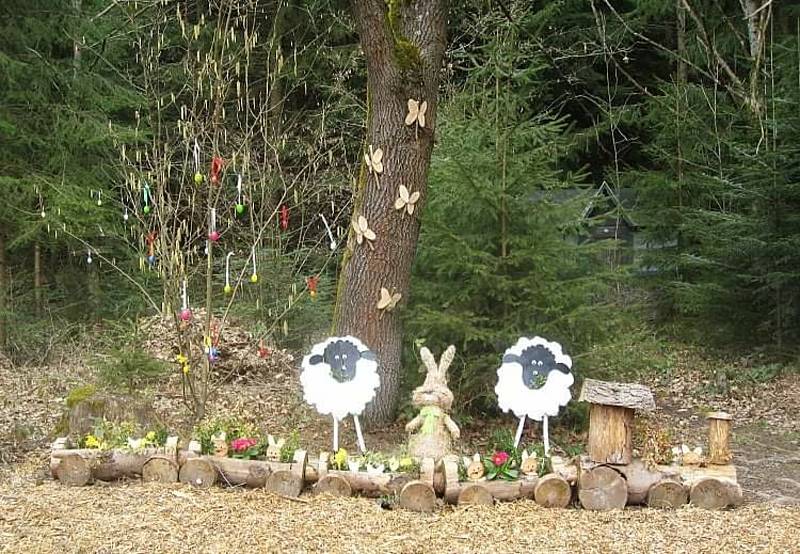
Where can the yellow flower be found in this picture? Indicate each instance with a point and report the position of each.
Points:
(406, 462)
(92, 442)
(151, 436)
(181, 359)
(340, 458)
(186, 369)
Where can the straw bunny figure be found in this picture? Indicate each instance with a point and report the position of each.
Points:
(432, 431)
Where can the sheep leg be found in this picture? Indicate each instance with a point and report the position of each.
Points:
(335, 435)
(545, 436)
(519, 431)
(361, 445)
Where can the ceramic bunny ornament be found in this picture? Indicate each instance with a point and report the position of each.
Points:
(432, 432)
(274, 448)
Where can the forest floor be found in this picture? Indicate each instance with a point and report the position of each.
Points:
(39, 515)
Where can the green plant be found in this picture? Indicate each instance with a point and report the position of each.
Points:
(500, 465)
(107, 435)
(233, 428)
(290, 446)
(79, 394)
(131, 367)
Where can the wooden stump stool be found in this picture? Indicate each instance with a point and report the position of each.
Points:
(418, 497)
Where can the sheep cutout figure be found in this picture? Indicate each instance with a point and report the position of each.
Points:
(339, 378)
(534, 382)
(433, 431)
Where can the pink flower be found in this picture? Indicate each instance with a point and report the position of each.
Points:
(239, 445)
(500, 458)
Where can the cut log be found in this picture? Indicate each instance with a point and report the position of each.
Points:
(640, 479)
(198, 472)
(667, 493)
(418, 497)
(500, 490)
(233, 471)
(475, 493)
(602, 488)
(374, 485)
(160, 469)
(715, 494)
(110, 465)
(610, 434)
(74, 470)
(611, 418)
(285, 483)
(719, 438)
(552, 491)
(335, 485)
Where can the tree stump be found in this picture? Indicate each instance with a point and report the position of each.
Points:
(335, 485)
(160, 469)
(667, 493)
(552, 491)
(719, 438)
(74, 470)
(611, 412)
(475, 494)
(715, 494)
(198, 472)
(602, 488)
(418, 497)
(285, 483)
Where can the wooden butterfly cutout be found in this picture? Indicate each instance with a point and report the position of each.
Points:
(388, 301)
(361, 227)
(406, 200)
(374, 161)
(416, 114)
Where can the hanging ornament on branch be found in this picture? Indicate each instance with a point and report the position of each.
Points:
(198, 177)
(89, 256)
(99, 197)
(213, 234)
(151, 255)
(254, 276)
(312, 281)
(284, 217)
(146, 198)
(186, 313)
(239, 201)
(228, 289)
(330, 233)
(263, 351)
(217, 164)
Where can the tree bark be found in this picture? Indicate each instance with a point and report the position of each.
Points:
(404, 55)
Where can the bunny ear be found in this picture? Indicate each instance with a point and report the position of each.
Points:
(446, 359)
(428, 359)
(280, 442)
(271, 440)
(476, 457)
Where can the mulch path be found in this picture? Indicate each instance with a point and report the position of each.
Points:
(148, 518)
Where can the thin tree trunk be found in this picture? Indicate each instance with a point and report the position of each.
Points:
(681, 39)
(404, 55)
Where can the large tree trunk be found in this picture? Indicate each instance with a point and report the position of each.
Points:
(404, 57)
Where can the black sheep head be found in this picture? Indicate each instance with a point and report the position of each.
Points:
(342, 357)
(537, 362)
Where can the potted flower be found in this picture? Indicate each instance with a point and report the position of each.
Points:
(500, 465)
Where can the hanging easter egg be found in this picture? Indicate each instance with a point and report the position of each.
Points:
(146, 209)
(199, 178)
(239, 209)
(151, 260)
(186, 314)
(213, 236)
(284, 218)
(228, 289)
(254, 278)
(216, 169)
(312, 282)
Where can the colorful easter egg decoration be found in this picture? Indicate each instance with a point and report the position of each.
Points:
(239, 203)
(198, 176)
(263, 351)
(284, 217)
(213, 234)
(88, 255)
(186, 313)
(146, 198)
(254, 276)
(228, 289)
(312, 281)
(328, 230)
(217, 164)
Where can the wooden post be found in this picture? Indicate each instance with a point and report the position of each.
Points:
(611, 412)
(719, 438)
